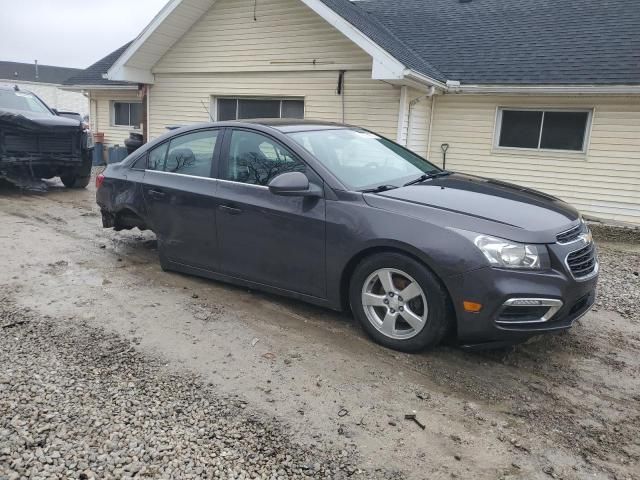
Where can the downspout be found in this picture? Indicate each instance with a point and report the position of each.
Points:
(413, 103)
(433, 109)
(402, 114)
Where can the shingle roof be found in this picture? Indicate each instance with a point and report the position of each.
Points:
(93, 74)
(506, 41)
(27, 72)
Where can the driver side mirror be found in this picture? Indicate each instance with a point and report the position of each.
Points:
(294, 184)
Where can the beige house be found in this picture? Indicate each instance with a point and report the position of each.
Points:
(546, 97)
(115, 108)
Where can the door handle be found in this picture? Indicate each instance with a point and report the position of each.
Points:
(157, 194)
(230, 210)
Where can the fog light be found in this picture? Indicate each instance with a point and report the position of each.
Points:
(525, 302)
(472, 307)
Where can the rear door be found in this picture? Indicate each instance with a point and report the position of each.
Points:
(273, 240)
(179, 192)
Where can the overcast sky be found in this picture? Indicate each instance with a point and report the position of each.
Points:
(70, 33)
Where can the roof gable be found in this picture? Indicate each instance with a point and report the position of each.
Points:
(233, 35)
(438, 42)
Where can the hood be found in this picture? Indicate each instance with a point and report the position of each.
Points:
(507, 210)
(26, 120)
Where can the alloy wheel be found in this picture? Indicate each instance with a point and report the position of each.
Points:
(394, 303)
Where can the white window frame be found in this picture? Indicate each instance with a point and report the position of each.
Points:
(214, 103)
(498, 129)
(113, 113)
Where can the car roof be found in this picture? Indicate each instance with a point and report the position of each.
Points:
(288, 125)
(282, 125)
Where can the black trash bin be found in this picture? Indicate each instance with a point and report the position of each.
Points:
(134, 142)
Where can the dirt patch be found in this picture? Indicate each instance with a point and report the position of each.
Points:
(564, 406)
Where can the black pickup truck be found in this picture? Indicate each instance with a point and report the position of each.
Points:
(36, 142)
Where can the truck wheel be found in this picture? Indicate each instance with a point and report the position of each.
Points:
(75, 181)
(80, 177)
(399, 302)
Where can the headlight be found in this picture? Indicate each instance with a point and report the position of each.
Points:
(507, 254)
(89, 139)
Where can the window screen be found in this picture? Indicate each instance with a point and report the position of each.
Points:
(550, 130)
(127, 114)
(227, 109)
(564, 130)
(245, 108)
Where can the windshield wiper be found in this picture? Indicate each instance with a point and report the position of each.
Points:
(427, 176)
(378, 189)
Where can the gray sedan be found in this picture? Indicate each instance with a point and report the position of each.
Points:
(341, 217)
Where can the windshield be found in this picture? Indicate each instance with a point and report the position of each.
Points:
(362, 160)
(12, 100)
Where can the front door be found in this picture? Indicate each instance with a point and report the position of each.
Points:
(265, 238)
(179, 193)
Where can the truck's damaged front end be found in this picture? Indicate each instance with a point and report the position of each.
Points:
(40, 144)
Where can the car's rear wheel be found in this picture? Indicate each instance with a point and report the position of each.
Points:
(399, 302)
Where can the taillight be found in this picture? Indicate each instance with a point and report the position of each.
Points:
(99, 180)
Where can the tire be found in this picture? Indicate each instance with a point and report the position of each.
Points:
(81, 176)
(410, 324)
(75, 181)
(165, 265)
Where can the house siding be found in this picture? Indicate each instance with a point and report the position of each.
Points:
(184, 99)
(285, 35)
(100, 117)
(227, 53)
(604, 182)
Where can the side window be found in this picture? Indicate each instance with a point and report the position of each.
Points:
(192, 154)
(189, 154)
(140, 163)
(157, 157)
(256, 159)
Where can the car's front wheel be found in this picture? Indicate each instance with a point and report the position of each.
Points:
(399, 302)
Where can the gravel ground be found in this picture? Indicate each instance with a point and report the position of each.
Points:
(619, 282)
(76, 402)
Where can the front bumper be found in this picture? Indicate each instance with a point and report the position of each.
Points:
(494, 287)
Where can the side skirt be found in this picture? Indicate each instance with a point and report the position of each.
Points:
(170, 265)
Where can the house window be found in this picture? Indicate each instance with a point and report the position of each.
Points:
(543, 129)
(243, 108)
(127, 114)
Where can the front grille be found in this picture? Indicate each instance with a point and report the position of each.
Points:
(522, 314)
(25, 144)
(583, 262)
(570, 235)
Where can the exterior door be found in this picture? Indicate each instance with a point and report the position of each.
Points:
(262, 237)
(179, 193)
